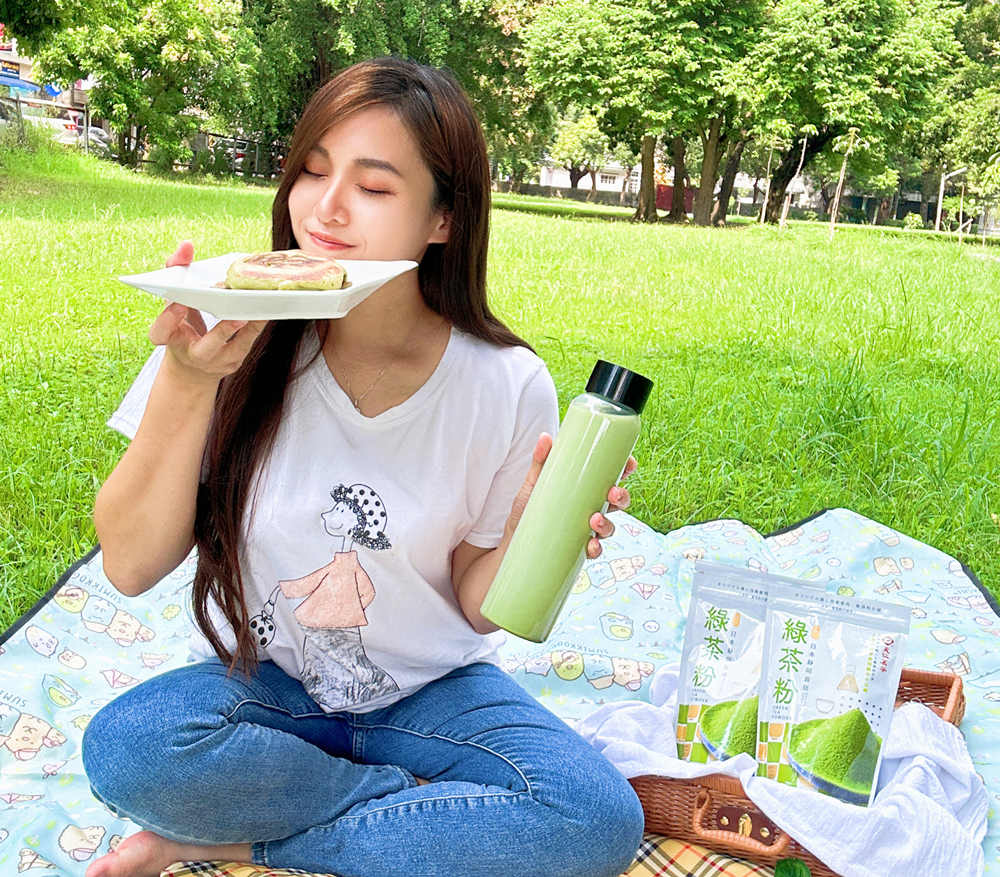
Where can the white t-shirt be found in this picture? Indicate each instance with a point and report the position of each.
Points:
(347, 559)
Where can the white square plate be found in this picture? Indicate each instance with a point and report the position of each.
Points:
(194, 285)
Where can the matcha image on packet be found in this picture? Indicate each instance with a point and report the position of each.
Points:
(721, 661)
(828, 690)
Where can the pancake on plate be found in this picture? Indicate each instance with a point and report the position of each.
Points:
(285, 269)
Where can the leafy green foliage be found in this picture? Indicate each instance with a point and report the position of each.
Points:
(649, 66)
(304, 42)
(580, 145)
(201, 162)
(834, 64)
(791, 868)
(160, 65)
(31, 22)
(824, 66)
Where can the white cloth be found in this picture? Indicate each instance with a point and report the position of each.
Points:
(361, 608)
(928, 817)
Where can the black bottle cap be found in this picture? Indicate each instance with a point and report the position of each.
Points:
(620, 385)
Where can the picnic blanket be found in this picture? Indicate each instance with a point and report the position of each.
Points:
(84, 643)
(657, 857)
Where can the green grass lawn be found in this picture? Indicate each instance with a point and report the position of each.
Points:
(791, 374)
(561, 207)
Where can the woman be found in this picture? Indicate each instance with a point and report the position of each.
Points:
(361, 730)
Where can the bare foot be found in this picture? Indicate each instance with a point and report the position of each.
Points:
(146, 854)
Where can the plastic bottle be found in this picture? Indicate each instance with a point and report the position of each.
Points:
(588, 457)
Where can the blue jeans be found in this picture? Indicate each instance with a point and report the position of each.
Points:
(200, 757)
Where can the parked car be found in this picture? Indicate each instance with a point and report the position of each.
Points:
(99, 140)
(7, 116)
(65, 129)
(236, 150)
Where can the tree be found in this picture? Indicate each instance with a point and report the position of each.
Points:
(833, 64)
(973, 117)
(520, 146)
(159, 67)
(734, 155)
(959, 128)
(669, 65)
(678, 159)
(599, 55)
(717, 37)
(31, 23)
(754, 163)
(305, 42)
(580, 147)
(626, 155)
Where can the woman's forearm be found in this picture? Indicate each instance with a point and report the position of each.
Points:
(471, 589)
(144, 513)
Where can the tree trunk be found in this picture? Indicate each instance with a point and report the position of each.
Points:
(646, 211)
(785, 171)
(728, 180)
(575, 175)
(826, 196)
(678, 147)
(840, 185)
(709, 171)
(628, 176)
(593, 184)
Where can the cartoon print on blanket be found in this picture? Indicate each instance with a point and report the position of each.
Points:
(84, 643)
(79, 647)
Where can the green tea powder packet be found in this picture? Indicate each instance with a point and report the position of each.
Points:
(828, 689)
(721, 663)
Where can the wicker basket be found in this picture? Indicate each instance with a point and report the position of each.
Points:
(714, 811)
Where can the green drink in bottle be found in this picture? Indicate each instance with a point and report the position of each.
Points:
(587, 458)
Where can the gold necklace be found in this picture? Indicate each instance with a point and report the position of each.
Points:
(357, 400)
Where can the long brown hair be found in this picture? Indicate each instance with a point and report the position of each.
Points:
(452, 278)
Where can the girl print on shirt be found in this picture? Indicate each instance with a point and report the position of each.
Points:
(336, 671)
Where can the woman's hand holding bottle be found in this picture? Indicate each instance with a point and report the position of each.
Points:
(618, 499)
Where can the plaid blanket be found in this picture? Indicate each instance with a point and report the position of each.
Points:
(657, 857)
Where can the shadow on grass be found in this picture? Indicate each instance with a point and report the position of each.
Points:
(581, 210)
(572, 210)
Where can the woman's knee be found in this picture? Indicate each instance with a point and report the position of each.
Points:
(119, 744)
(596, 826)
(133, 742)
(616, 825)
(624, 825)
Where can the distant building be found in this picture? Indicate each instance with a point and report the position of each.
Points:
(17, 74)
(610, 177)
(15, 70)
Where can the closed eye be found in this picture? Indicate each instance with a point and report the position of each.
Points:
(368, 191)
